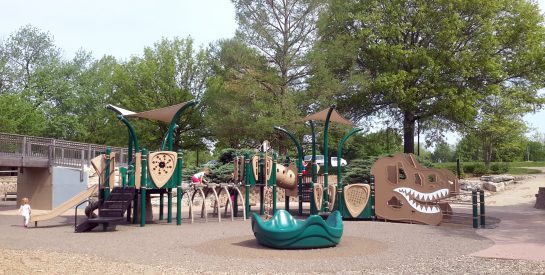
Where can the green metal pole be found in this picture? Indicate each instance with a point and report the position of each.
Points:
(107, 172)
(481, 202)
(273, 180)
(172, 125)
(130, 183)
(247, 172)
(262, 180)
(179, 189)
(161, 204)
(313, 210)
(340, 191)
(132, 133)
(169, 204)
(143, 187)
(131, 173)
(325, 201)
(123, 173)
(299, 166)
(129, 148)
(475, 212)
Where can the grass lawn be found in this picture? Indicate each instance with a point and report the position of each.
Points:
(515, 168)
(521, 170)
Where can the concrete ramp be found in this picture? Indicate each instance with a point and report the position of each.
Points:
(67, 205)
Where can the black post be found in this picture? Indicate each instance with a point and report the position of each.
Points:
(474, 206)
(481, 202)
(458, 167)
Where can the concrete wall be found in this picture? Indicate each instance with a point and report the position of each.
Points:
(35, 184)
(48, 190)
(67, 184)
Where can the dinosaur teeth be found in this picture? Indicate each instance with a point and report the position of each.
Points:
(412, 196)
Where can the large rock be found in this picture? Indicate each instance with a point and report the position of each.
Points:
(509, 182)
(471, 185)
(494, 186)
(502, 178)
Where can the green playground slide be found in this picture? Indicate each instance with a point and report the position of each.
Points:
(285, 232)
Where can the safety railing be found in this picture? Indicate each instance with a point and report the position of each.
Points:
(57, 152)
(477, 205)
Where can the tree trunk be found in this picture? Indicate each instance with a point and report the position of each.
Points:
(488, 154)
(408, 132)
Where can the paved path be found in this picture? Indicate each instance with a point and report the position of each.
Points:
(521, 232)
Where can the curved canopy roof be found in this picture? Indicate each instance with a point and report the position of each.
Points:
(322, 115)
(164, 114)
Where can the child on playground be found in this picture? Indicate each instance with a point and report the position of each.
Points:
(25, 210)
(198, 178)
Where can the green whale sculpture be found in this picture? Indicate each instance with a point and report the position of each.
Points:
(285, 232)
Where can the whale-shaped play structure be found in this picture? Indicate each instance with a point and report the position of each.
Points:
(285, 232)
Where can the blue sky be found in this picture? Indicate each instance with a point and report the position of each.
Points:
(120, 27)
(124, 27)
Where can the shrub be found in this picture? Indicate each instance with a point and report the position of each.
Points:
(479, 169)
(227, 155)
(358, 170)
(499, 168)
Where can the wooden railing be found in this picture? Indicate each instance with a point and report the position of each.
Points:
(57, 152)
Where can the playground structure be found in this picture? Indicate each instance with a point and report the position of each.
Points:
(407, 191)
(158, 173)
(388, 194)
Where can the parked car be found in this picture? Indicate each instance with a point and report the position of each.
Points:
(320, 160)
(334, 162)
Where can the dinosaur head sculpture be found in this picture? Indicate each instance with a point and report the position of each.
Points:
(407, 191)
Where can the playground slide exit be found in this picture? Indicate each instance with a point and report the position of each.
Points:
(65, 206)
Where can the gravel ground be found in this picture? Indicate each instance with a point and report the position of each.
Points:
(229, 247)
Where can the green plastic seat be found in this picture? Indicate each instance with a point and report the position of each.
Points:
(285, 232)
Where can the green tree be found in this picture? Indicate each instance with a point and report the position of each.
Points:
(170, 72)
(94, 89)
(428, 60)
(240, 110)
(19, 116)
(283, 31)
(23, 53)
(500, 127)
(535, 148)
(443, 153)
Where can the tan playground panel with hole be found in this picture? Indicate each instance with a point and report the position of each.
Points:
(407, 191)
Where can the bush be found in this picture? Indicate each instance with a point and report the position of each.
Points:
(477, 169)
(227, 155)
(218, 173)
(358, 170)
(499, 168)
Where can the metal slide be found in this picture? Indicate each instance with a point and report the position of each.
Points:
(65, 206)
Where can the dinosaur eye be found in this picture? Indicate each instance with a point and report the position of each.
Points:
(402, 174)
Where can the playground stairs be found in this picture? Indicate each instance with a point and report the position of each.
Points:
(112, 210)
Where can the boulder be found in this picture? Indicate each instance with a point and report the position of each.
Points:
(471, 185)
(509, 182)
(494, 186)
(486, 178)
(501, 178)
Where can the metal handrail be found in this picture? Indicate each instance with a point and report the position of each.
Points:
(77, 154)
(88, 200)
